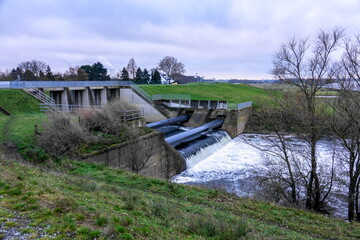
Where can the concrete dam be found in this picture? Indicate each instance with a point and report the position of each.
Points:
(186, 131)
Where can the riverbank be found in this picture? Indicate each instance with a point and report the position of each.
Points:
(79, 200)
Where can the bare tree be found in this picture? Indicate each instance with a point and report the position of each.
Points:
(170, 66)
(35, 66)
(139, 154)
(346, 119)
(71, 74)
(131, 68)
(283, 174)
(307, 67)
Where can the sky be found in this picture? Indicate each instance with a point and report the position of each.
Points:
(219, 39)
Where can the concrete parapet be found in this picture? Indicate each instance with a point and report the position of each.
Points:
(163, 160)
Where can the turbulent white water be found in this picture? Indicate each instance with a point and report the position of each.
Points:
(236, 166)
(204, 152)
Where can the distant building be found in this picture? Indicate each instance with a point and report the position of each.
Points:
(182, 79)
(165, 79)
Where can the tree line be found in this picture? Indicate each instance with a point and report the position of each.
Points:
(298, 177)
(36, 70)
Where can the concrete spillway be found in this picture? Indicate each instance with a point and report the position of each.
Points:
(179, 138)
(169, 121)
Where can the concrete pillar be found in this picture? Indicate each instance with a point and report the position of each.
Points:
(64, 100)
(56, 95)
(86, 97)
(104, 96)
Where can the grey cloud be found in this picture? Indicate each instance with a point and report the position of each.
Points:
(212, 37)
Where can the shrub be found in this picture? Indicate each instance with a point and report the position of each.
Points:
(63, 135)
(108, 119)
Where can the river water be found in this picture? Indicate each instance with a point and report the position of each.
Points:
(237, 166)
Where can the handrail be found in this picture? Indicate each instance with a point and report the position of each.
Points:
(55, 84)
(125, 115)
(141, 91)
(38, 94)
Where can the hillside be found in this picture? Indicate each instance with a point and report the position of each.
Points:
(233, 93)
(17, 101)
(84, 201)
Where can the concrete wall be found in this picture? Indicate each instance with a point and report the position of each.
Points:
(234, 120)
(150, 112)
(164, 161)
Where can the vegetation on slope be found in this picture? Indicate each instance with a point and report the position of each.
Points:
(85, 201)
(17, 101)
(233, 93)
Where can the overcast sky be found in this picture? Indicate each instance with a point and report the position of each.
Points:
(215, 38)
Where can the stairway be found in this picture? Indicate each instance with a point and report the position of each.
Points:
(38, 94)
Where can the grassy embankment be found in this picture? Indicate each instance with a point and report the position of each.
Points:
(85, 201)
(17, 101)
(233, 93)
(80, 200)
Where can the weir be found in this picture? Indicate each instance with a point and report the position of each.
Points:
(197, 150)
(174, 120)
(181, 137)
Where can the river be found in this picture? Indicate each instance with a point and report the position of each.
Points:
(237, 166)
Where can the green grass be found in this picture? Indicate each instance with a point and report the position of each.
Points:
(20, 128)
(233, 93)
(17, 101)
(82, 201)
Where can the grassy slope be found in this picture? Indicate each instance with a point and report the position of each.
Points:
(17, 101)
(233, 93)
(87, 200)
(83, 201)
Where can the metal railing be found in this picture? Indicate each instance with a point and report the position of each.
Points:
(197, 104)
(38, 94)
(141, 91)
(66, 107)
(55, 84)
(124, 115)
(130, 115)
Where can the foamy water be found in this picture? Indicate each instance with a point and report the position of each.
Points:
(236, 166)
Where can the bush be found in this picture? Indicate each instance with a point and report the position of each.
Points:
(108, 119)
(63, 135)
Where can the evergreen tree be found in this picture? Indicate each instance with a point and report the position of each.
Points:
(48, 74)
(29, 76)
(88, 70)
(42, 76)
(138, 76)
(15, 73)
(99, 72)
(146, 76)
(155, 77)
(96, 72)
(124, 75)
